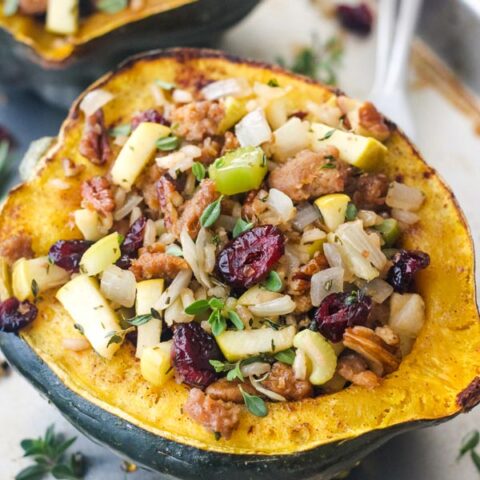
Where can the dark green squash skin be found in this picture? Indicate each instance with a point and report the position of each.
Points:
(182, 461)
(198, 24)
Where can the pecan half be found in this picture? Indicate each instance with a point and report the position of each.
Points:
(228, 391)
(354, 368)
(370, 346)
(94, 143)
(97, 194)
(282, 380)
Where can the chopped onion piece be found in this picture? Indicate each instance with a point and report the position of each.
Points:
(404, 216)
(352, 235)
(268, 393)
(313, 235)
(279, 306)
(158, 95)
(119, 286)
(235, 87)
(135, 215)
(378, 289)
(253, 129)
(150, 234)
(182, 96)
(191, 256)
(292, 256)
(131, 202)
(333, 255)
(256, 368)
(306, 214)
(290, 138)
(175, 313)
(174, 290)
(404, 197)
(300, 366)
(281, 203)
(95, 100)
(324, 283)
(75, 344)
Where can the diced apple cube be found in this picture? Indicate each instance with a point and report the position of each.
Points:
(136, 153)
(82, 299)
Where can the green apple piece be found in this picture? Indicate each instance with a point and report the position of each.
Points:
(239, 344)
(82, 299)
(62, 16)
(239, 171)
(362, 152)
(101, 255)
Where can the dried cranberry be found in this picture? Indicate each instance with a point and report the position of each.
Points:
(150, 115)
(193, 348)
(248, 259)
(15, 315)
(68, 253)
(132, 243)
(356, 18)
(406, 263)
(338, 311)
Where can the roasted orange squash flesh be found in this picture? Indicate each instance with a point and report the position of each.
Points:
(444, 360)
(57, 48)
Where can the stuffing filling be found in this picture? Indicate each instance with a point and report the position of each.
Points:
(255, 253)
(64, 16)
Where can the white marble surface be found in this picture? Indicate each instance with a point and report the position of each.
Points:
(447, 141)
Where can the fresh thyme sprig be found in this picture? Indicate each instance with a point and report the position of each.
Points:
(319, 61)
(49, 456)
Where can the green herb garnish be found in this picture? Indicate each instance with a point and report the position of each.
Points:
(240, 227)
(273, 82)
(166, 144)
(218, 322)
(49, 455)
(235, 373)
(198, 171)
(319, 61)
(111, 6)
(255, 405)
(140, 319)
(35, 288)
(236, 320)
(273, 282)
(286, 356)
(469, 442)
(211, 213)
(199, 306)
(327, 135)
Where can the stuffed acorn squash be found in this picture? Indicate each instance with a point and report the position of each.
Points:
(55, 29)
(223, 267)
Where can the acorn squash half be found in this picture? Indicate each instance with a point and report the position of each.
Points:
(32, 32)
(109, 400)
